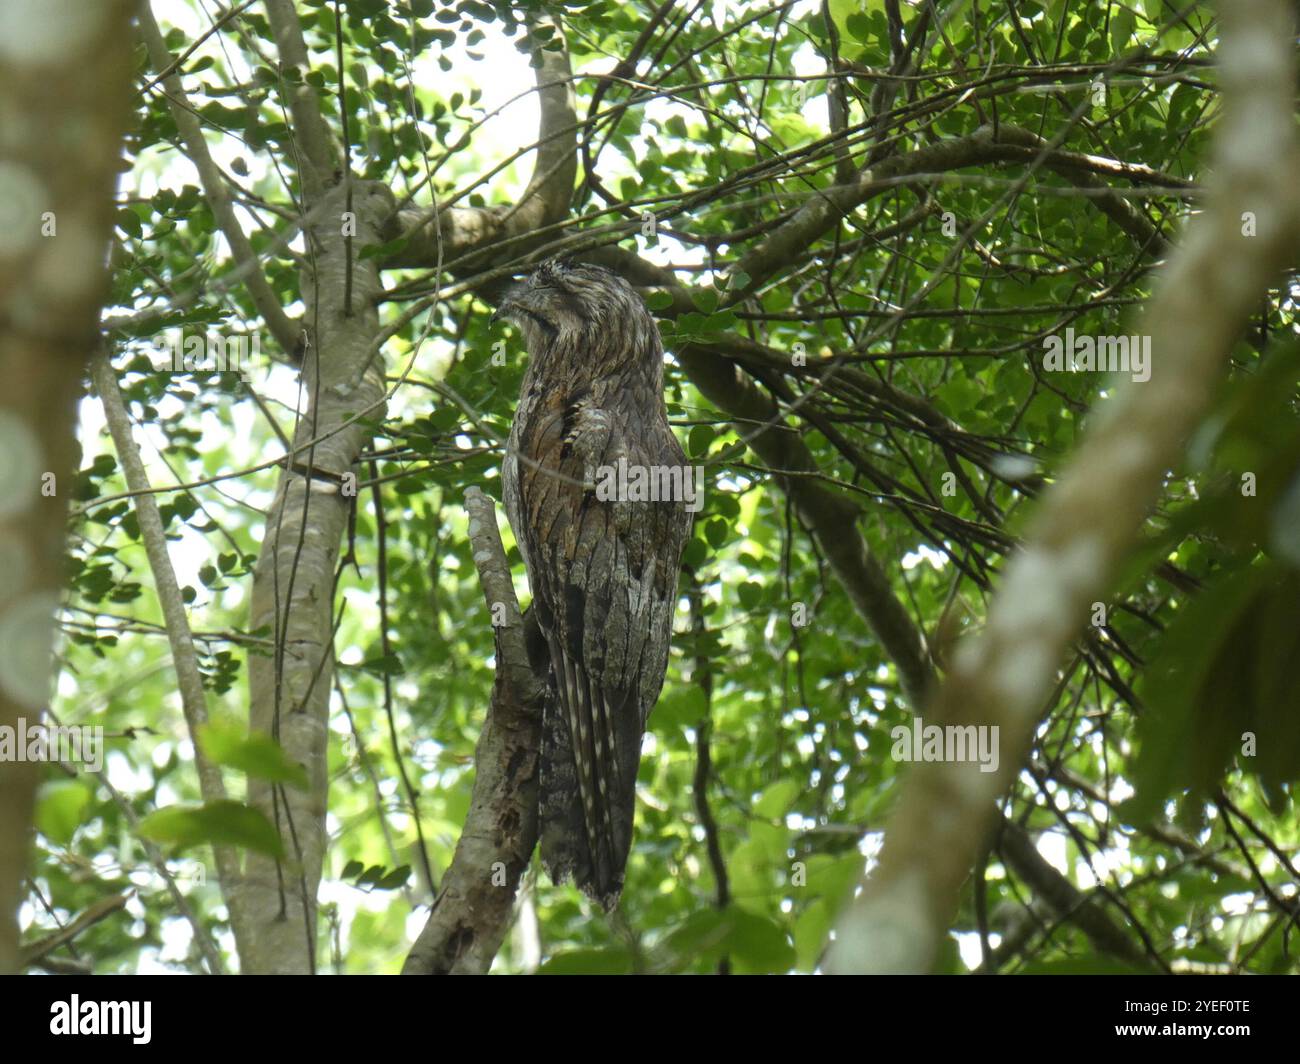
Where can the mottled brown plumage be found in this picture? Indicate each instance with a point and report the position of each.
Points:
(603, 572)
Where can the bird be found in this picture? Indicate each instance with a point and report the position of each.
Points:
(602, 564)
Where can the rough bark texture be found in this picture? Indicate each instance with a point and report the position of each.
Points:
(293, 581)
(472, 912)
(470, 917)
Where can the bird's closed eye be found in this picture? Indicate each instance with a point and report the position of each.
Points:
(550, 279)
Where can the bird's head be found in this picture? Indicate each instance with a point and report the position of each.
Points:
(562, 299)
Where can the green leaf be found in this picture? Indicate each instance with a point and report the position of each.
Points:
(1187, 730)
(705, 299)
(256, 754)
(61, 808)
(754, 944)
(129, 222)
(776, 801)
(1122, 24)
(750, 595)
(396, 879)
(696, 554)
(812, 929)
(226, 823)
(371, 876)
(859, 27)
(679, 707)
(702, 934)
(383, 251)
(759, 945)
(697, 443)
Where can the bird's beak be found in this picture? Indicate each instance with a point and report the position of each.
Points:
(508, 306)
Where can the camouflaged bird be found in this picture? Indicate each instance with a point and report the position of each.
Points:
(603, 571)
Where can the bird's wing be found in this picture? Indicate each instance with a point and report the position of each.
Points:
(603, 573)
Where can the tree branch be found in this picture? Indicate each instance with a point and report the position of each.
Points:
(472, 912)
(189, 680)
(546, 199)
(99, 910)
(318, 156)
(294, 579)
(1065, 899)
(1006, 144)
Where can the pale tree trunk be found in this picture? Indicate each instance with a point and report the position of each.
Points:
(293, 583)
(65, 70)
(273, 903)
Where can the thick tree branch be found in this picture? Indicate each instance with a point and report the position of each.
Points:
(317, 151)
(293, 582)
(831, 517)
(1066, 900)
(985, 146)
(472, 912)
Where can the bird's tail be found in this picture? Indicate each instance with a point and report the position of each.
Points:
(587, 803)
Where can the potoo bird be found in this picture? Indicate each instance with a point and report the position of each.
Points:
(602, 560)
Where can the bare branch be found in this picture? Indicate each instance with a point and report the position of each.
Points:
(99, 910)
(189, 680)
(550, 189)
(472, 912)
